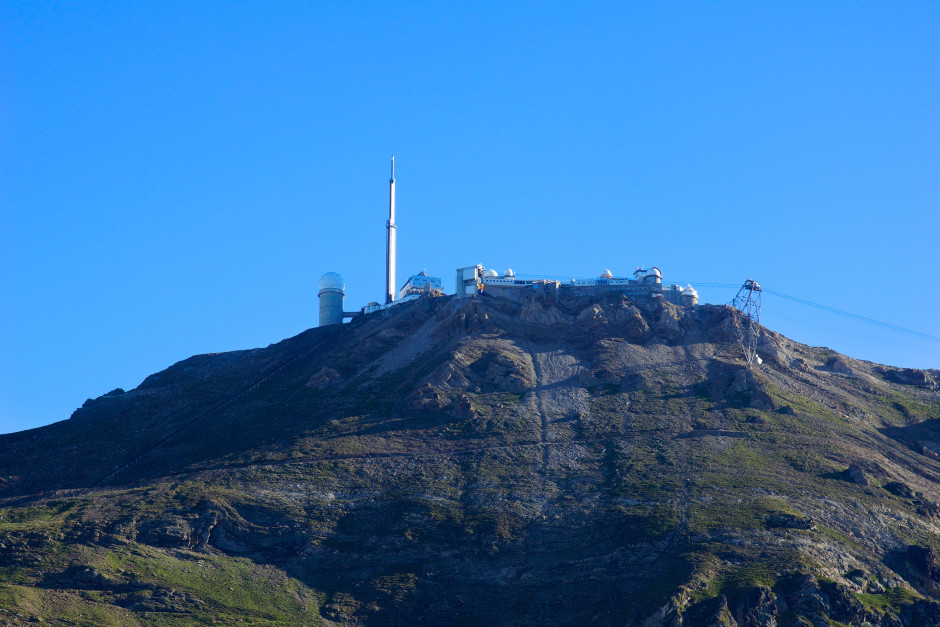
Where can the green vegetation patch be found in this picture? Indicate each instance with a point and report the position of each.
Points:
(723, 513)
(901, 409)
(48, 516)
(648, 470)
(743, 464)
(890, 599)
(733, 570)
(806, 407)
(649, 522)
(230, 587)
(43, 606)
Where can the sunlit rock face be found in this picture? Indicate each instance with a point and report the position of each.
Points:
(550, 459)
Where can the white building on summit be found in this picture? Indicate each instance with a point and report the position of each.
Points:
(477, 280)
(645, 284)
(415, 287)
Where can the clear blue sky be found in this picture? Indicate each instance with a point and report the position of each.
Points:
(175, 176)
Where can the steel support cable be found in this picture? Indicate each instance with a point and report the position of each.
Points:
(841, 312)
(849, 314)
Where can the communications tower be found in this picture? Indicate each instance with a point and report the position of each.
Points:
(390, 240)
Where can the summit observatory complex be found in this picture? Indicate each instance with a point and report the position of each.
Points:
(477, 280)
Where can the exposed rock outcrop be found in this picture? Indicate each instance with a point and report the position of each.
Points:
(559, 458)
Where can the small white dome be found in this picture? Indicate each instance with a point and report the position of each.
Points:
(654, 271)
(689, 291)
(332, 281)
(509, 272)
(491, 273)
(607, 275)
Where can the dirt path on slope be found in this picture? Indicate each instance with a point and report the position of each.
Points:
(557, 395)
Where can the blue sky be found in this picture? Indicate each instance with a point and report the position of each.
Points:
(175, 177)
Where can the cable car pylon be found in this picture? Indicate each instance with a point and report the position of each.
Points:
(747, 302)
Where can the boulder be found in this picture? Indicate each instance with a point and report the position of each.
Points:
(669, 615)
(535, 311)
(758, 607)
(905, 376)
(923, 561)
(667, 323)
(926, 507)
(789, 521)
(426, 396)
(856, 474)
(463, 408)
(842, 365)
(722, 616)
(324, 378)
(921, 613)
(510, 372)
(899, 489)
(593, 314)
(712, 612)
(82, 578)
(844, 607)
(165, 531)
(161, 600)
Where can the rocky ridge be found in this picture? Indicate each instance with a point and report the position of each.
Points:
(553, 460)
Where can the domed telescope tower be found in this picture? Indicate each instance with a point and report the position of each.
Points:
(688, 297)
(332, 293)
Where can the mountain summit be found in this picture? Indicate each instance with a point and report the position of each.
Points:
(555, 459)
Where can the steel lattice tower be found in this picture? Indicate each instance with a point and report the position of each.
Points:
(748, 303)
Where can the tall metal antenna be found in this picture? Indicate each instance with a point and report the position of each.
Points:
(390, 230)
(747, 302)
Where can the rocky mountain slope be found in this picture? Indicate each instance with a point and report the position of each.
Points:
(558, 460)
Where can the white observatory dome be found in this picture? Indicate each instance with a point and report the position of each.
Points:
(654, 271)
(607, 275)
(509, 273)
(688, 296)
(491, 273)
(333, 282)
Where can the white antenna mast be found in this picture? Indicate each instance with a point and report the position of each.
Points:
(390, 240)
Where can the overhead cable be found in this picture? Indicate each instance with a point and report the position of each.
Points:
(849, 314)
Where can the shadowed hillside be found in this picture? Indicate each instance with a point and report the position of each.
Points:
(560, 460)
